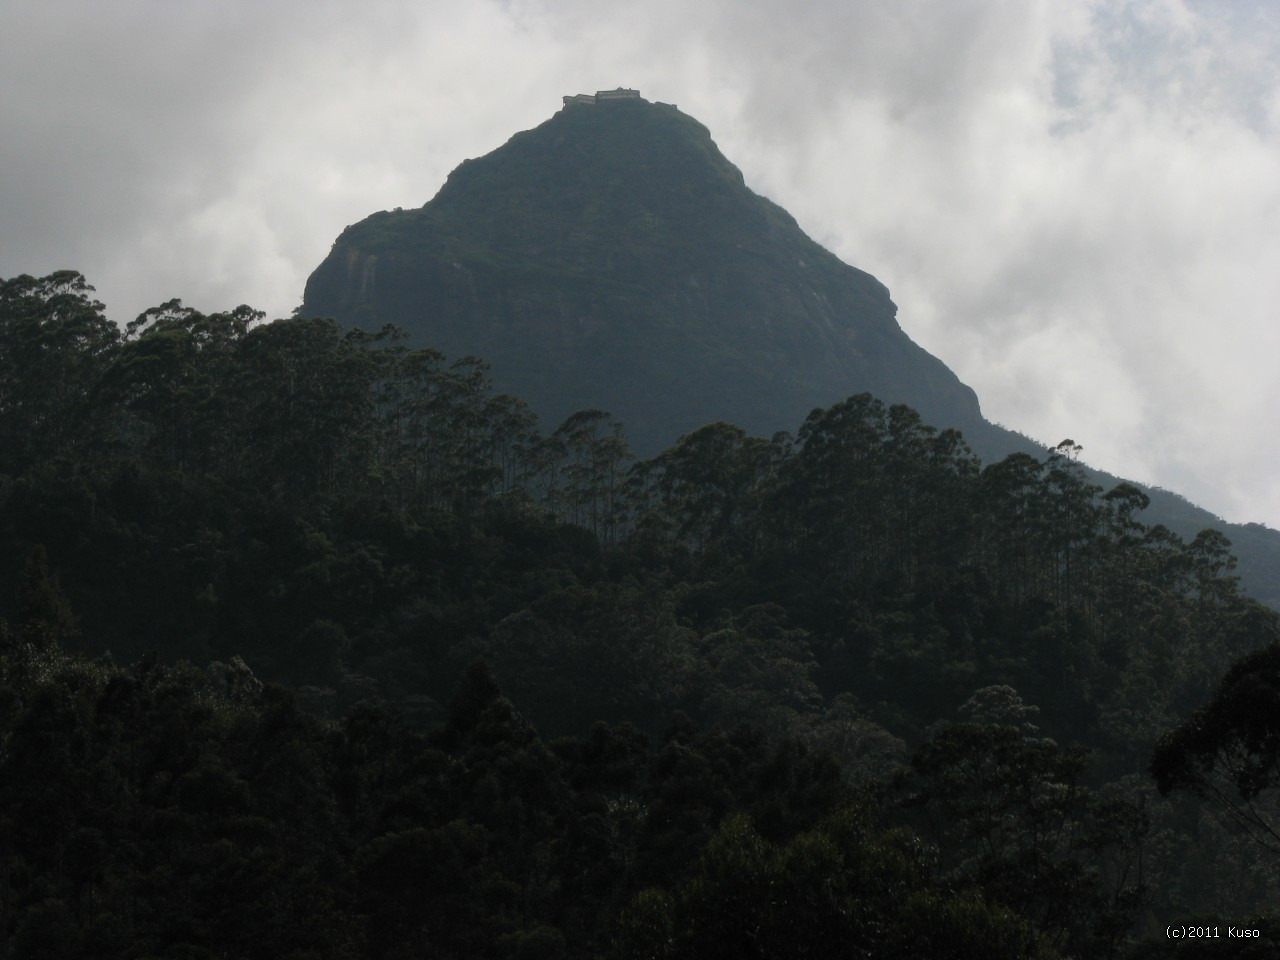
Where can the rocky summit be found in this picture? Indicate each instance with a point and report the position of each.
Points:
(613, 258)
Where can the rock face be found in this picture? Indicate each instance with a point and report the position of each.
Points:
(613, 258)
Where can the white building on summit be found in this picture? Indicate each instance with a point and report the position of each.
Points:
(600, 96)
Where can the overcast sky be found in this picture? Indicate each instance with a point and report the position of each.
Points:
(1076, 205)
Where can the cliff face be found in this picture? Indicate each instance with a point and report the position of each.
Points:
(613, 258)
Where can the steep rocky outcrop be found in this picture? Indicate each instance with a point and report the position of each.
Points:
(613, 258)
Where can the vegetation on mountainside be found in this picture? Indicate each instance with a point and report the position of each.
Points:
(614, 258)
(524, 697)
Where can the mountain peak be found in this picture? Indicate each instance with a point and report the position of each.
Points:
(612, 257)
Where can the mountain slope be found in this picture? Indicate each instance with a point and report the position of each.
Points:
(612, 257)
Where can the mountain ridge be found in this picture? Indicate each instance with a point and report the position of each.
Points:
(613, 257)
(614, 243)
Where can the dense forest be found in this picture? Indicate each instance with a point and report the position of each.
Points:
(312, 646)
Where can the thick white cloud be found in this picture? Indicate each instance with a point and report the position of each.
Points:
(1074, 203)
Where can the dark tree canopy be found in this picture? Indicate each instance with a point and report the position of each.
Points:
(313, 645)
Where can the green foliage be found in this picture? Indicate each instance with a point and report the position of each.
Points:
(840, 889)
(1009, 810)
(54, 345)
(1228, 751)
(44, 614)
(727, 642)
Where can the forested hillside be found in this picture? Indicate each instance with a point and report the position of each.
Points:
(313, 646)
(612, 257)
